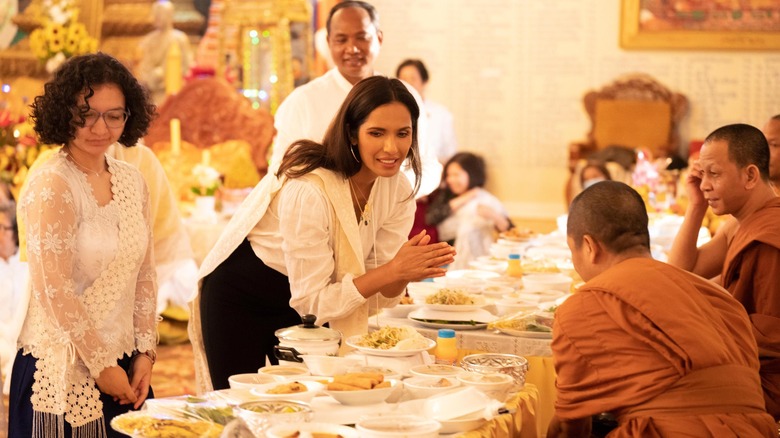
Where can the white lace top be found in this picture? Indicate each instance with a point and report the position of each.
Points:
(92, 284)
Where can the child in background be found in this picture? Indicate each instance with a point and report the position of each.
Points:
(464, 212)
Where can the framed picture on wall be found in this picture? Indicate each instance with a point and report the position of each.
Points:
(700, 24)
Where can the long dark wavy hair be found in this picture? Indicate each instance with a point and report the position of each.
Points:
(335, 153)
(56, 112)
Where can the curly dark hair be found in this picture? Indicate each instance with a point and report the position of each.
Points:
(55, 112)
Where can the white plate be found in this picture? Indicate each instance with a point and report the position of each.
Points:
(472, 273)
(479, 315)
(525, 334)
(452, 320)
(285, 430)
(351, 341)
(328, 410)
(454, 307)
(454, 326)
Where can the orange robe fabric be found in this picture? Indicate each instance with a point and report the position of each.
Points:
(752, 274)
(667, 352)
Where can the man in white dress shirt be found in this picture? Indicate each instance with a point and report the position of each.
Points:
(354, 40)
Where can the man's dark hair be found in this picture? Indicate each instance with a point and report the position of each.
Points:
(613, 214)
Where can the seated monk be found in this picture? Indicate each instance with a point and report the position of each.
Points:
(666, 352)
(732, 176)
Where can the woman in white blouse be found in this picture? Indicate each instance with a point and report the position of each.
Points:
(327, 235)
(88, 339)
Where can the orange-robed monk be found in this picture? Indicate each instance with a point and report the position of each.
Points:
(666, 352)
(733, 177)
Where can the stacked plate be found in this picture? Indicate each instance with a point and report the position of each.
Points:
(471, 319)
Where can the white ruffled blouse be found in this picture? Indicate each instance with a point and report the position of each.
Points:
(92, 285)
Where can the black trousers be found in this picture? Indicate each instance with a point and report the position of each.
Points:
(20, 411)
(242, 303)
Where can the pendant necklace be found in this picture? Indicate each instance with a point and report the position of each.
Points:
(365, 214)
(72, 158)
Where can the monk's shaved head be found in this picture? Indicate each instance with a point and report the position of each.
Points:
(747, 145)
(613, 214)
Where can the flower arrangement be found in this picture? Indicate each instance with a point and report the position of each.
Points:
(207, 178)
(18, 149)
(61, 36)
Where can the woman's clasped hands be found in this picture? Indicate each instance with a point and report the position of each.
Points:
(419, 259)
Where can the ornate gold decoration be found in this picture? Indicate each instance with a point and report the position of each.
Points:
(117, 24)
(211, 112)
(254, 31)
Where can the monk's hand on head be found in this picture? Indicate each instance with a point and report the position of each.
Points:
(113, 381)
(693, 186)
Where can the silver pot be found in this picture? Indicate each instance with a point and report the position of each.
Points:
(306, 338)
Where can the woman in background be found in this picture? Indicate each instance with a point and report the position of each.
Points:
(441, 130)
(326, 235)
(88, 341)
(593, 172)
(464, 212)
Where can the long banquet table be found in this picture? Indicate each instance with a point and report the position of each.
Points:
(541, 373)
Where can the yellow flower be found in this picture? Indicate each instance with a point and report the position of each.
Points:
(77, 31)
(71, 45)
(87, 45)
(38, 44)
(57, 43)
(54, 30)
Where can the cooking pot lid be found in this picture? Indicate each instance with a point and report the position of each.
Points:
(308, 331)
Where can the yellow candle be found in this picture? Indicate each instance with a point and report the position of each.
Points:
(173, 74)
(206, 158)
(175, 136)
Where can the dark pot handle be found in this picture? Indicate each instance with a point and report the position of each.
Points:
(289, 354)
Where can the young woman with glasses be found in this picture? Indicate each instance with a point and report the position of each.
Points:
(88, 339)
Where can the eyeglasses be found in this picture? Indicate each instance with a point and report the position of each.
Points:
(115, 118)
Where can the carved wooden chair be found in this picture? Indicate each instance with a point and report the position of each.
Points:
(635, 112)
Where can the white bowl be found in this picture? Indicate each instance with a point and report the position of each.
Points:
(397, 426)
(495, 385)
(435, 370)
(495, 291)
(311, 429)
(250, 380)
(421, 289)
(467, 284)
(463, 424)
(328, 365)
(426, 386)
(386, 372)
(262, 414)
(366, 396)
(502, 248)
(312, 388)
(458, 402)
(285, 371)
(489, 264)
(540, 282)
(505, 280)
(507, 306)
(400, 310)
(474, 274)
